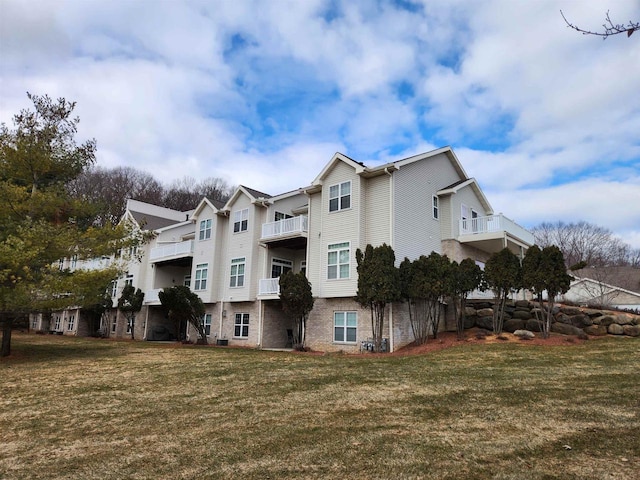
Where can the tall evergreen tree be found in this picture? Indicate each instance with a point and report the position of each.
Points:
(297, 302)
(378, 285)
(39, 222)
(503, 275)
(184, 306)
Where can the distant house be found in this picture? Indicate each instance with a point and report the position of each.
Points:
(232, 255)
(617, 287)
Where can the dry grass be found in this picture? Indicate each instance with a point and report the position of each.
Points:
(97, 409)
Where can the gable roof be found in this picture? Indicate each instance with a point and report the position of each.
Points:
(459, 185)
(602, 285)
(625, 277)
(254, 195)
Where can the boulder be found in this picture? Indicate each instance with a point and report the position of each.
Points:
(631, 330)
(534, 325)
(485, 312)
(597, 330)
(485, 322)
(565, 329)
(524, 334)
(570, 310)
(623, 319)
(469, 322)
(615, 329)
(470, 311)
(593, 313)
(513, 324)
(607, 320)
(522, 314)
(581, 320)
(563, 318)
(523, 304)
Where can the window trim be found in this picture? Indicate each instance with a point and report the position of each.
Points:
(71, 322)
(241, 220)
(435, 207)
(207, 322)
(282, 262)
(205, 229)
(242, 316)
(345, 327)
(340, 196)
(338, 264)
(201, 283)
(236, 262)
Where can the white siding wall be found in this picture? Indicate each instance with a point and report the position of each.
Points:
(314, 242)
(286, 205)
(377, 211)
(204, 252)
(338, 227)
(240, 245)
(416, 232)
(468, 197)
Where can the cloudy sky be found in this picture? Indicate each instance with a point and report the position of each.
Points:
(263, 93)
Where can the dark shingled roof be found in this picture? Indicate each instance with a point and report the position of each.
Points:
(151, 222)
(256, 193)
(216, 203)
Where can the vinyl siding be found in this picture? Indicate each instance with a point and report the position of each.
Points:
(337, 227)
(314, 242)
(377, 211)
(416, 232)
(468, 197)
(241, 244)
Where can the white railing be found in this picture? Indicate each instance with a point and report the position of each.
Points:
(269, 286)
(286, 226)
(495, 223)
(152, 296)
(95, 264)
(172, 250)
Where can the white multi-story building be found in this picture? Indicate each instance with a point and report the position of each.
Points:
(231, 255)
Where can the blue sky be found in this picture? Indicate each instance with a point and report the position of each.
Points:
(264, 93)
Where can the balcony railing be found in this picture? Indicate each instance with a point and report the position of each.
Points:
(152, 296)
(285, 227)
(269, 286)
(180, 249)
(495, 224)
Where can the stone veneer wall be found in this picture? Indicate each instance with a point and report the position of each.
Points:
(521, 315)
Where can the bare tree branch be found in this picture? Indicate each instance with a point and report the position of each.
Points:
(610, 28)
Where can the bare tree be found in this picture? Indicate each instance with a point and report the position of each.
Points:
(610, 28)
(185, 193)
(109, 189)
(584, 243)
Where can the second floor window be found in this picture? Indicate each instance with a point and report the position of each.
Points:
(241, 220)
(340, 196)
(237, 272)
(71, 322)
(129, 279)
(436, 206)
(202, 271)
(338, 260)
(205, 229)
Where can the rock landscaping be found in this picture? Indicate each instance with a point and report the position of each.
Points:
(523, 315)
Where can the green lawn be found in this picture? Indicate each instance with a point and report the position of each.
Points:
(100, 409)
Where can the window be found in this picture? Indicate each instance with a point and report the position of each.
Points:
(129, 279)
(34, 322)
(435, 207)
(280, 267)
(74, 262)
(345, 326)
(241, 220)
(303, 267)
(205, 229)
(187, 281)
(114, 323)
(129, 324)
(237, 272)
(71, 322)
(340, 196)
(241, 326)
(61, 264)
(202, 271)
(57, 323)
(338, 261)
(206, 323)
(114, 289)
(282, 216)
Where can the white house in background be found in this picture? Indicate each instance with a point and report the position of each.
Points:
(231, 255)
(587, 291)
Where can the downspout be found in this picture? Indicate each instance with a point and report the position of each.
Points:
(260, 325)
(391, 225)
(146, 323)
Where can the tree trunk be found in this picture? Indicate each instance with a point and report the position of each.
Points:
(7, 324)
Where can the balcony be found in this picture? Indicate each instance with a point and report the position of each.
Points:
(269, 287)
(152, 296)
(289, 232)
(172, 251)
(493, 233)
